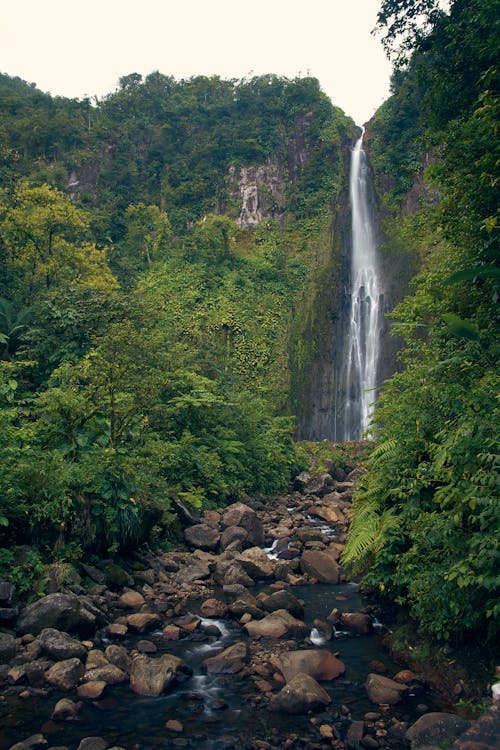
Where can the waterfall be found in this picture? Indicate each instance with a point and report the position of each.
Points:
(359, 368)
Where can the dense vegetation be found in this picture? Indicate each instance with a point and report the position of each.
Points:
(144, 337)
(427, 522)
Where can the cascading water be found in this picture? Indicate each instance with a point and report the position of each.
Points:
(359, 370)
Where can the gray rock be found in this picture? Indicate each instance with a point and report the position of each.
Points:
(283, 600)
(7, 648)
(355, 734)
(59, 646)
(35, 742)
(65, 675)
(381, 689)
(242, 515)
(153, 676)
(436, 728)
(256, 563)
(229, 661)
(109, 673)
(202, 536)
(197, 572)
(92, 743)
(320, 565)
(300, 695)
(7, 593)
(319, 485)
(229, 572)
(318, 663)
(66, 710)
(278, 624)
(60, 611)
(234, 534)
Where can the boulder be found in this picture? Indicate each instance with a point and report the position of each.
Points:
(7, 593)
(118, 656)
(116, 630)
(95, 659)
(92, 743)
(357, 621)
(60, 646)
(300, 695)
(65, 675)
(229, 572)
(327, 513)
(229, 661)
(319, 484)
(199, 571)
(320, 565)
(213, 608)
(381, 689)
(7, 648)
(143, 621)
(318, 663)
(436, 729)
(283, 600)
(115, 576)
(188, 623)
(34, 742)
(66, 710)
(256, 563)
(202, 536)
(277, 625)
(91, 690)
(242, 515)
(153, 676)
(109, 673)
(131, 600)
(234, 534)
(60, 611)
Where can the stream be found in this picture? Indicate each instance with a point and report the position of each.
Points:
(226, 710)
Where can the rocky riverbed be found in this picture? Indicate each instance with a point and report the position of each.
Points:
(252, 637)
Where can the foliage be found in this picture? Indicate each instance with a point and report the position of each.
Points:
(426, 523)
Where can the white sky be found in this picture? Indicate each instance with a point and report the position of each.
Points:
(82, 48)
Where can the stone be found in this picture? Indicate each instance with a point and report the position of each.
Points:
(110, 674)
(229, 661)
(153, 676)
(326, 513)
(60, 611)
(188, 623)
(91, 690)
(66, 710)
(300, 695)
(174, 726)
(256, 563)
(405, 675)
(131, 600)
(143, 621)
(197, 572)
(59, 646)
(355, 734)
(116, 630)
(65, 675)
(318, 484)
(95, 658)
(283, 600)
(118, 656)
(381, 689)
(229, 572)
(357, 621)
(92, 743)
(320, 565)
(171, 633)
(202, 536)
(277, 625)
(213, 608)
(242, 515)
(115, 576)
(234, 534)
(34, 742)
(7, 648)
(318, 663)
(436, 728)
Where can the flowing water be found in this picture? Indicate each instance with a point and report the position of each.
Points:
(359, 369)
(220, 711)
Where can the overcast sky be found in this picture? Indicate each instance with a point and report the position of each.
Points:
(82, 48)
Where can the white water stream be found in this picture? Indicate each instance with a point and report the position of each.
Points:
(365, 317)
